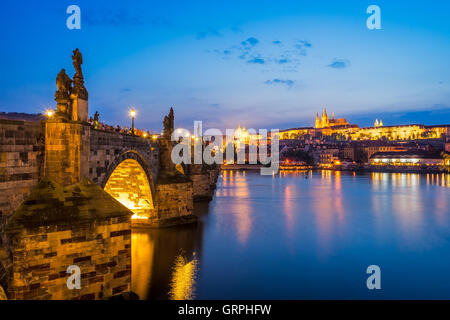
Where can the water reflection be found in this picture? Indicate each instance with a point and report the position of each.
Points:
(237, 189)
(142, 251)
(403, 196)
(289, 208)
(182, 284)
(165, 262)
(307, 235)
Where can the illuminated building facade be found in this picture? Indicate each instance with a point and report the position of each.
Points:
(325, 122)
(339, 126)
(296, 133)
(401, 132)
(407, 158)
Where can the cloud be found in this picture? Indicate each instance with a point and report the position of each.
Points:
(302, 47)
(225, 54)
(250, 42)
(303, 44)
(215, 105)
(280, 57)
(283, 61)
(257, 60)
(277, 81)
(243, 55)
(210, 33)
(339, 64)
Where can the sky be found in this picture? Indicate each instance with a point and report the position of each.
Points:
(262, 64)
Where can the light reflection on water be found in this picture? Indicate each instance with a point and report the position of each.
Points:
(182, 284)
(304, 235)
(165, 262)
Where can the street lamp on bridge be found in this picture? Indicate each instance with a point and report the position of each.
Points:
(133, 115)
(49, 113)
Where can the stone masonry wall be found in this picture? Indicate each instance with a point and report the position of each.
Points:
(174, 200)
(108, 147)
(21, 161)
(214, 173)
(66, 151)
(5, 268)
(204, 180)
(202, 187)
(174, 205)
(102, 251)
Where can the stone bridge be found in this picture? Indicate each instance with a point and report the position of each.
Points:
(125, 166)
(58, 182)
(70, 195)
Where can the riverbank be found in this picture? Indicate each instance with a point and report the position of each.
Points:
(240, 167)
(362, 169)
(390, 169)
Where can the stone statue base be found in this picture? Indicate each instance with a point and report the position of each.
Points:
(80, 109)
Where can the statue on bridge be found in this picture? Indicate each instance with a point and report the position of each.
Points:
(72, 96)
(166, 145)
(78, 79)
(169, 173)
(77, 58)
(169, 125)
(62, 95)
(63, 83)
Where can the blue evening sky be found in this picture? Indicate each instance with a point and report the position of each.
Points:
(264, 64)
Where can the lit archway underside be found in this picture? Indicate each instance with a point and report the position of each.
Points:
(129, 185)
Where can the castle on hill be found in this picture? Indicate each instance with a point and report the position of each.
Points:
(325, 122)
(324, 126)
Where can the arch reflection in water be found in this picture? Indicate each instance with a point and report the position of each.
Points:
(165, 262)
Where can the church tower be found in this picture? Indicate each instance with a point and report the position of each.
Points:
(325, 121)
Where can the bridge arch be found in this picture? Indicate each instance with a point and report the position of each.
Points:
(129, 180)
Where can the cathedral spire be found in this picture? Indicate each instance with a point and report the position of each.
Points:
(317, 124)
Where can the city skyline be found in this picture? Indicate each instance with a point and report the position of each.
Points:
(274, 67)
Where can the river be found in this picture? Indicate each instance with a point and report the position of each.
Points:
(304, 235)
